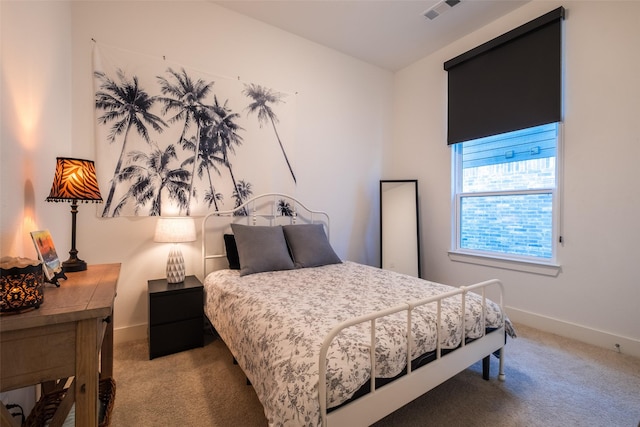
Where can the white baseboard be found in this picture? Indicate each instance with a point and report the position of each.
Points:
(581, 333)
(130, 333)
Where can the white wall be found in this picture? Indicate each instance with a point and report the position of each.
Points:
(343, 120)
(35, 118)
(596, 297)
(31, 135)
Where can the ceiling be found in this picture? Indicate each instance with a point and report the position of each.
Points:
(391, 34)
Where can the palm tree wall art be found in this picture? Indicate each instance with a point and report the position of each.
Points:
(263, 98)
(186, 97)
(177, 141)
(125, 105)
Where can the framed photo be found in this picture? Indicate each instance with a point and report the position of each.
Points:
(47, 253)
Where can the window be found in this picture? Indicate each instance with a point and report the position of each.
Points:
(504, 106)
(505, 195)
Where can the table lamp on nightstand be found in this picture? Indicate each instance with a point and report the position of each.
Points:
(175, 230)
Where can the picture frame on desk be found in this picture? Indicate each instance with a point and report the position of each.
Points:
(46, 250)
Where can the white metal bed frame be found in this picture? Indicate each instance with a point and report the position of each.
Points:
(382, 401)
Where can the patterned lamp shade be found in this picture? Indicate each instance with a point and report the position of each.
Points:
(74, 179)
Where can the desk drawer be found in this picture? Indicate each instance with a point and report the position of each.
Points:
(34, 355)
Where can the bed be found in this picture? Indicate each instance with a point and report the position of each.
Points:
(300, 321)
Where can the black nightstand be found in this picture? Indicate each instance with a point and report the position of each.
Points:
(176, 316)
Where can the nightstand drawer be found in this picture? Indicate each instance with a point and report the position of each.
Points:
(175, 306)
(171, 338)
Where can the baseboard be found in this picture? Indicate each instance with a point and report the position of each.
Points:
(130, 333)
(581, 333)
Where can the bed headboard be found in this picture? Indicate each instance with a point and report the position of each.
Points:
(266, 209)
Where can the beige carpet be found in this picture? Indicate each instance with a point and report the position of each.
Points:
(551, 381)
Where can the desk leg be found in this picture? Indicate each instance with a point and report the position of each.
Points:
(86, 383)
(106, 352)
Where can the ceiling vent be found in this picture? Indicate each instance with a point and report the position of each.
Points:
(440, 8)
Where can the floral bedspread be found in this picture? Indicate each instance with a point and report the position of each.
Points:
(274, 324)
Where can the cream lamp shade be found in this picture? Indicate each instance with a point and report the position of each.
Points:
(175, 230)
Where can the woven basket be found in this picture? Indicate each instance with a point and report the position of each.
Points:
(107, 396)
(48, 404)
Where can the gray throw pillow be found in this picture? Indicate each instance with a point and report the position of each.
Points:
(309, 245)
(261, 248)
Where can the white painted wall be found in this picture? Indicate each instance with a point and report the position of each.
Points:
(596, 297)
(343, 120)
(31, 136)
(36, 118)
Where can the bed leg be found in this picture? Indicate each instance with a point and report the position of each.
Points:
(486, 366)
(501, 375)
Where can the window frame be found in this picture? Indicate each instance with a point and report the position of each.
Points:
(531, 264)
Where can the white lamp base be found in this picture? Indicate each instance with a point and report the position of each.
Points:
(175, 265)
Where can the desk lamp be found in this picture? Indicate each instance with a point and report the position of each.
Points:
(74, 181)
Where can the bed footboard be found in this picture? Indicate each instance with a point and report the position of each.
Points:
(382, 401)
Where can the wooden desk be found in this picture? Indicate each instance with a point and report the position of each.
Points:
(70, 335)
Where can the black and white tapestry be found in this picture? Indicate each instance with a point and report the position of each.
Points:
(172, 140)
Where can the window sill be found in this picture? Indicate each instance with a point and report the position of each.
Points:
(546, 269)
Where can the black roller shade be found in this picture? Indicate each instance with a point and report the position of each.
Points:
(511, 82)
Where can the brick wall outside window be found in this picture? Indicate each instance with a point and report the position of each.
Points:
(510, 224)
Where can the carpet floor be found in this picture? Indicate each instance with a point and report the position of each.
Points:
(550, 381)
